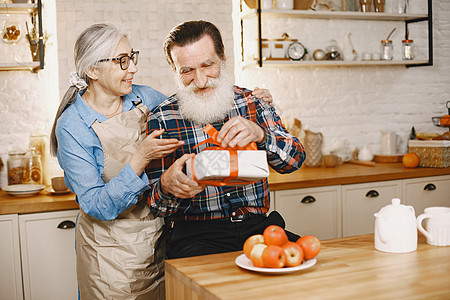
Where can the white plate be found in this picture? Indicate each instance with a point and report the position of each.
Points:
(245, 263)
(23, 190)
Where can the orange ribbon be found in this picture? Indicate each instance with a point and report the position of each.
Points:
(234, 165)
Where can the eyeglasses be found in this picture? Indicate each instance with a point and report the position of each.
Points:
(124, 61)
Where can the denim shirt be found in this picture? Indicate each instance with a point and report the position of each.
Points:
(80, 155)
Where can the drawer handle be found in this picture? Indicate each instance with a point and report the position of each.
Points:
(429, 187)
(308, 199)
(372, 194)
(66, 225)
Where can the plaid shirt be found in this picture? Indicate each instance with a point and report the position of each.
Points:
(285, 154)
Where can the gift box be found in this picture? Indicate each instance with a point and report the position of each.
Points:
(433, 154)
(212, 166)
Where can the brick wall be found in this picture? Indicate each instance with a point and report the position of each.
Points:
(343, 103)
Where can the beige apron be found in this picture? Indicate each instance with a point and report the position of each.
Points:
(121, 258)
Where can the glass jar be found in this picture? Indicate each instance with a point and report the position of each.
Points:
(17, 167)
(408, 50)
(34, 167)
(386, 50)
(40, 142)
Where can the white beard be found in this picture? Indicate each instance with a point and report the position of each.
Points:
(203, 109)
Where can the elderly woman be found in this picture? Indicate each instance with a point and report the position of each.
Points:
(99, 137)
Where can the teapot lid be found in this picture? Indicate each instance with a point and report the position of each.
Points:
(395, 210)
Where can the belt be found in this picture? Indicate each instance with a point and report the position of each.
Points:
(240, 218)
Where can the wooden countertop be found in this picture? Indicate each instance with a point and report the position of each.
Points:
(42, 202)
(346, 268)
(303, 178)
(348, 174)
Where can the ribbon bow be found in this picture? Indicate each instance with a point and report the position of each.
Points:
(234, 166)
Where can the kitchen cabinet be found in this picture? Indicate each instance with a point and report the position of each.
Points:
(47, 243)
(407, 18)
(35, 10)
(11, 273)
(426, 192)
(360, 202)
(348, 209)
(313, 211)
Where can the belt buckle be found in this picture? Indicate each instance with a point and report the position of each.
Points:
(236, 219)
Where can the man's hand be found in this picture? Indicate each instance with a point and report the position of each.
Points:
(264, 94)
(239, 131)
(174, 181)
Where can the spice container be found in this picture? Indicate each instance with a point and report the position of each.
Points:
(386, 50)
(408, 50)
(17, 167)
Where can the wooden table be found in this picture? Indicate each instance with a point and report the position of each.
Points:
(346, 268)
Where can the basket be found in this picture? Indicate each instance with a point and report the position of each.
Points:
(433, 154)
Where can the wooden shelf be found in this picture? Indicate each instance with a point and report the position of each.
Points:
(17, 8)
(328, 63)
(309, 14)
(25, 66)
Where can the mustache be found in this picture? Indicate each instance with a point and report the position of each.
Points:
(211, 83)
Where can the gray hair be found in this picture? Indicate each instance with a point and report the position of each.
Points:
(96, 42)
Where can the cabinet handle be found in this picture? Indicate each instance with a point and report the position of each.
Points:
(372, 194)
(429, 187)
(308, 199)
(66, 225)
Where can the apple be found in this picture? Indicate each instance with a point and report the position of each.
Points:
(274, 257)
(294, 254)
(275, 235)
(256, 255)
(252, 241)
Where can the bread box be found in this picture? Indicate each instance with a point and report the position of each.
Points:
(434, 154)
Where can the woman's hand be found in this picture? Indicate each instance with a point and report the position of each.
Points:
(152, 148)
(264, 94)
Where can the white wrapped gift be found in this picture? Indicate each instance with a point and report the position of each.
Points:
(214, 165)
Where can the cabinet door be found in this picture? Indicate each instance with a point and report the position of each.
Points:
(48, 255)
(11, 274)
(311, 211)
(427, 191)
(361, 201)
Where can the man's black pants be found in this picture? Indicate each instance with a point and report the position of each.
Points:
(192, 238)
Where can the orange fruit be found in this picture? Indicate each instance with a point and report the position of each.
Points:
(410, 160)
(445, 121)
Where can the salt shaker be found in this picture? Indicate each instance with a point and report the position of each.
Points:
(386, 50)
(408, 49)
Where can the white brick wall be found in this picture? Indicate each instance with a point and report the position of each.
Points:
(342, 103)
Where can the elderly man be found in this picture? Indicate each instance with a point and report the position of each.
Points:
(211, 219)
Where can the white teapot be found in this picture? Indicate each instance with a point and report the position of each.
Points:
(395, 228)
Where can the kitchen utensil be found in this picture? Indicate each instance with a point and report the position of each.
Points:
(395, 228)
(391, 33)
(313, 148)
(349, 51)
(331, 160)
(365, 154)
(437, 225)
(58, 184)
(302, 4)
(362, 163)
(285, 4)
(379, 5)
(23, 190)
(245, 263)
(365, 5)
(378, 158)
(388, 143)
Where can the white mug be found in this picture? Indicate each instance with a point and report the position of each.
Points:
(437, 226)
